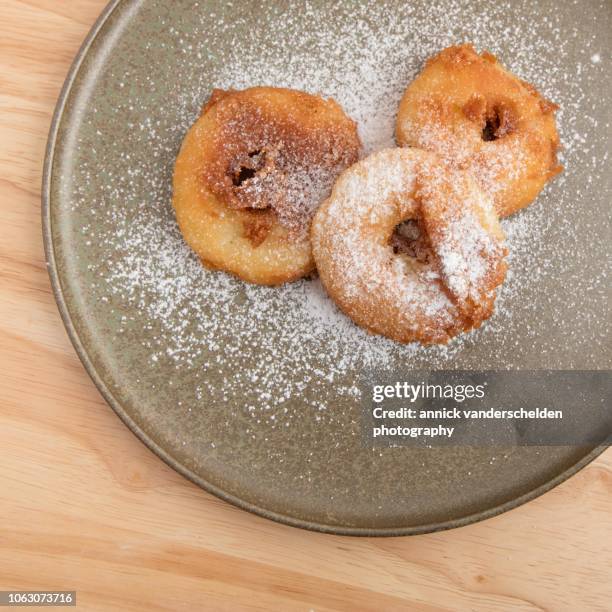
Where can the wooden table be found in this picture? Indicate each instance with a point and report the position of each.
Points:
(84, 505)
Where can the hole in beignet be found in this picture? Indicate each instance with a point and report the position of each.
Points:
(499, 121)
(249, 167)
(490, 129)
(408, 238)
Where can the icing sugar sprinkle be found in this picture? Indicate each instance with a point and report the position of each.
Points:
(291, 342)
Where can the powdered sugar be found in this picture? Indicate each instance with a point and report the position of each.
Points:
(279, 152)
(466, 255)
(295, 348)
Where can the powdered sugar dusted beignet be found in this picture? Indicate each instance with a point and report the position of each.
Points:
(470, 110)
(409, 247)
(250, 174)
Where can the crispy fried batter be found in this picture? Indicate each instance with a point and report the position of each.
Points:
(436, 278)
(251, 173)
(470, 110)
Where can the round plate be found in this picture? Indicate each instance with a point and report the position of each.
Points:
(253, 392)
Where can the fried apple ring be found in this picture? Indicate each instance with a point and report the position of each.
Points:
(250, 174)
(470, 110)
(409, 247)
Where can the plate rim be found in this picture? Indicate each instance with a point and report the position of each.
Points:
(81, 351)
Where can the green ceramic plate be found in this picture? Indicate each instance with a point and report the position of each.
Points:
(252, 392)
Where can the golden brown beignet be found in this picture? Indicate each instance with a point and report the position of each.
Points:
(475, 114)
(251, 173)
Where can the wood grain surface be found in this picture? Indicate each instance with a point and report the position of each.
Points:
(85, 506)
